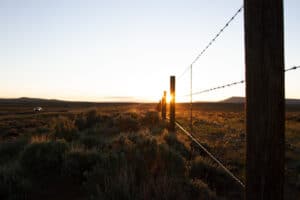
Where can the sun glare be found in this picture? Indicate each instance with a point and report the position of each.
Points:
(169, 98)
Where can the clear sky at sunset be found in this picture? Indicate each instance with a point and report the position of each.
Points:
(115, 50)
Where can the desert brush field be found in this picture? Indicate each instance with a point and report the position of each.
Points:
(125, 151)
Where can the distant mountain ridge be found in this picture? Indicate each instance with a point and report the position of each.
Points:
(29, 100)
(242, 100)
(234, 100)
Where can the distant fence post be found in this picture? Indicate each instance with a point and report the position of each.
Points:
(164, 106)
(172, 103)
(158, 108)
(265, 104)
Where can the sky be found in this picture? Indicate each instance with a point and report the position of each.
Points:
(117, 50)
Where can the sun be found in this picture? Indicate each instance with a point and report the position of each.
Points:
(169, 98)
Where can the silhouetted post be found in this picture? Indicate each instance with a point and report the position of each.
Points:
(265, 105)
(164, 106)
(158, 108)
(172, 103)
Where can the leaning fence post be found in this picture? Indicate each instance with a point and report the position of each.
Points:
(164, 106)
(172, 103)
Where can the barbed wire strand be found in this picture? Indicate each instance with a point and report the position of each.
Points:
(211, 156)
(214, 88)
(231, 84)
(212, 40)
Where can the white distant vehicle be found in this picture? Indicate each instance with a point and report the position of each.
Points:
(37, 109)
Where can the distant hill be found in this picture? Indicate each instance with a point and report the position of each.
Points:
(27, 100)
(242, 100)
(40, 101)
(234, 100)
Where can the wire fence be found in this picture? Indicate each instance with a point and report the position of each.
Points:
(219, 87)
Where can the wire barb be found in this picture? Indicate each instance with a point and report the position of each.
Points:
(292, 68)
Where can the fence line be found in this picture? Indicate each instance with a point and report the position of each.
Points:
(256, 31)
(191, 121)
(200, 145)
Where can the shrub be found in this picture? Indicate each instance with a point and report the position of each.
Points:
(76, 163)
(43, 160)
(212, 174)
(10, 150)
(143, 157)
(165, 187)
(128, 122)
(151, 118)
(171, 162)
(199, 190)
(196, 150)
(96, 124)
(92, 141)
(103, 130)
(135, 172)
(92, 118)
(43, 130)
(65, 129)
(134, 137)
(13, 185)
(80, 121)
(119, 178)
(100, 180)
(173, 142)
(156, 130)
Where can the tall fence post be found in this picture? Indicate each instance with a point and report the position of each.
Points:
(164, 106)
(172, 103)
(265, 105)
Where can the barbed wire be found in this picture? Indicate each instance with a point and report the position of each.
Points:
(215, 88)
(219, 87)
(212, 156)
(201, 146)
(292, 68)
(212, 40)
(231, 84)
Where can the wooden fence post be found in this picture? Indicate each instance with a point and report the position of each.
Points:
(172, 103)
(265, 104)
(158, 108)
(164, 106)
